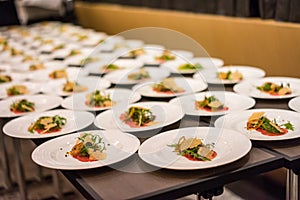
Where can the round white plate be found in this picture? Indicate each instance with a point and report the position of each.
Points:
(294, 104)
(229, 145)
(33, 88)
(165, 114)
(118, 96)
(233, 101)
(247, 72)
(52, 154)
(41, 102)
(121, 76)
(98, 67)
(91, 82)
(188, 84)
(249, 87)
(238, 121)
(206, 63)
(76, 120)
(73, 73)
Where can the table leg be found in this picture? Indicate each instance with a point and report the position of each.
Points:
(20, 170)
(291, 185)
(57, 185)
(5, 163)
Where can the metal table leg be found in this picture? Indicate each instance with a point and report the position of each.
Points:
(291, 185)
(20, 170)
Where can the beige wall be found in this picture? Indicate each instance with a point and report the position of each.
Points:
(273, 46)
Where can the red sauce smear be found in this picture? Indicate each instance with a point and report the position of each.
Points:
(39, 131)
(264, 132)
(19, 112)
(130, 123)
(83, 158)
(190, 157)
(225, 108)
(275, 94)
(166, 92)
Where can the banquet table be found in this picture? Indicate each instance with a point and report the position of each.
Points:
(135, 179)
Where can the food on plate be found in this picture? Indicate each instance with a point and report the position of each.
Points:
(15, 52)
(167, 85)
(73, 53)
(5, 78)
(72, 86)
(189, 66)
(138, 117)
(47, 124)
(257, 121)
(61, 73)
(275, 89)
(211, 104)
(165, 56)
(110, 67)
(38, 66)
(88, 60)
(88, 147)
(98, 99)
(21, 106)
(136, 52)
(141, 74)
(17, 90)
(230, 75)
(194, 149)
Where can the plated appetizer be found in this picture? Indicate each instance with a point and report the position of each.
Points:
(136, 52)
(72, 86)
(257, 121)
(47, 124)
(88, 148)
(98, 99)
(230, 75)
(34, 67)
(189, 66)
(211, 104)
(167, 85)
(56, 74)
(110, 67)
(17, 90)
(194, 149)
(21, 106)
(275, 89)
(5, 78)
(138, 117)
(141, 74)
(165, 56)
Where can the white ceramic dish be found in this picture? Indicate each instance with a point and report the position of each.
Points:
(229, 145)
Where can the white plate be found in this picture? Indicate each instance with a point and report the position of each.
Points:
(76, 120)
(33, 88)
(249, 87)
(97, 67)
(206, 63)
(238, 121)
(188, 84)
(233, 101)
(41, 102)
(295, 104)
(121, 76)
(118, 96)
(165, 113)
(43, 75)
(52, 154)
(247, 72)
(229, 145)
(91, 82)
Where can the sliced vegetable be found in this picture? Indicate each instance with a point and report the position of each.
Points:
(47, 124)
(138, 116)
(98, 99)
(275, 89)
(210, 103)
(22, 105)
(167, 85)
